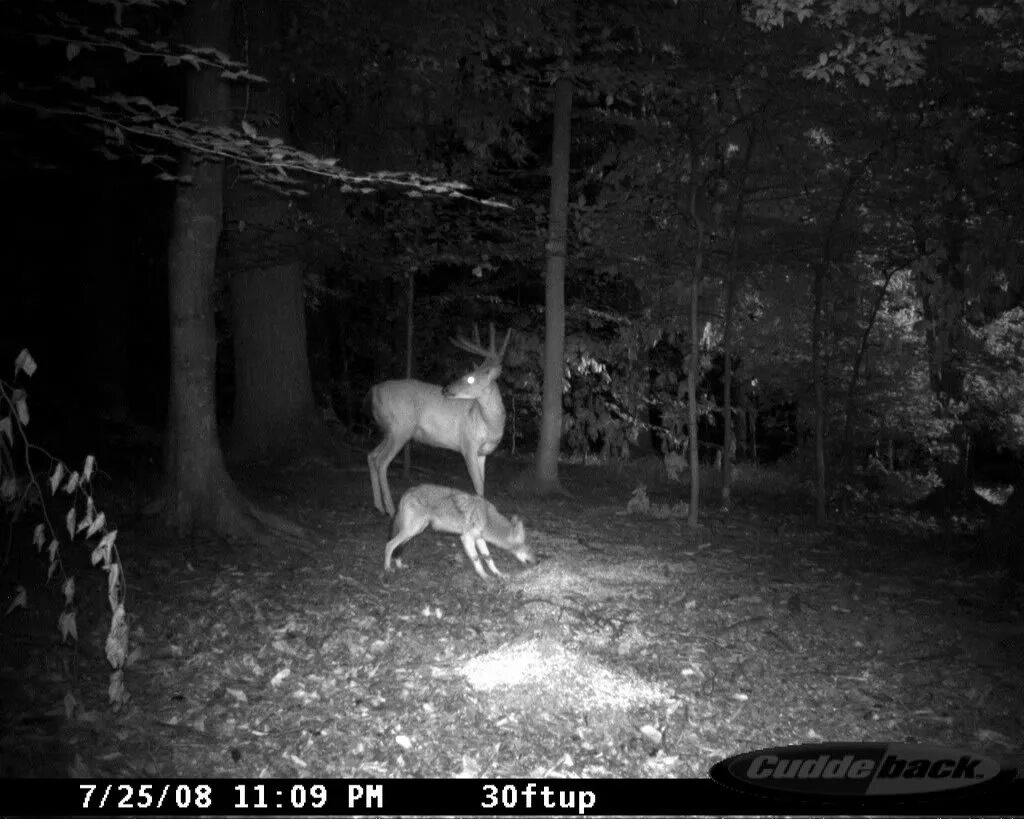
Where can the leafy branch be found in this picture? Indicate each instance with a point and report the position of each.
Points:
(20, 490)
(132, 125)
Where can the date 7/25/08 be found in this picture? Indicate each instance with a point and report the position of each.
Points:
(330, 797)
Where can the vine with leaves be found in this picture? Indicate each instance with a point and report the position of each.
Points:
(23, 487)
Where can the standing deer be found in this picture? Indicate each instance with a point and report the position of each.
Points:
(466, 416)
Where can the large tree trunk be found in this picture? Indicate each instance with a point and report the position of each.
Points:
(274, 410)
(554, 294)
(200, 495)
(274, 406)
(198, 482)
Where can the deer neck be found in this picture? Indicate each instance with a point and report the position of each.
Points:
(492, 410)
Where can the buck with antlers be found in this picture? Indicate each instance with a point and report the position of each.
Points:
(466, 416)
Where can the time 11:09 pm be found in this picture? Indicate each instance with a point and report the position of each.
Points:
(297, 796)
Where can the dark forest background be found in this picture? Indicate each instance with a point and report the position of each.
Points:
(779, 238)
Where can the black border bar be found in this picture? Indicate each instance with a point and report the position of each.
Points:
(464, 797)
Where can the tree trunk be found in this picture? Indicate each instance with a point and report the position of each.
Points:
(554, 294)
(728, 437)
(1012, 522)
(273, 395)
(198, 482)
(274, 409)
(817, 331)
(820, 512)
(818, 368)
(941, 285)
(410, 318)
(742, 420)
(752, 415)
(851, 391)
(693, 371)
(200, 494)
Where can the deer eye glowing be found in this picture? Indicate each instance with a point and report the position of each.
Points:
(470, 379)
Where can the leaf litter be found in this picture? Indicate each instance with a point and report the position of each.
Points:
(626, 652)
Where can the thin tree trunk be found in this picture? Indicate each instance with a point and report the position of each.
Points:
(752, 415)
(554, 294)
(817, 370)
(820, 511)
(1001, 536)
(941, 286)
(693, 371)
(410, 303)
(728, 440)
(742, 446)
(851, 390)
(728, 445)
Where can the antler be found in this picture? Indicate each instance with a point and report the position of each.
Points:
(490, 353)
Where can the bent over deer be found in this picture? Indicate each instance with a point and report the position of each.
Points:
(475, 520)
(466, 416)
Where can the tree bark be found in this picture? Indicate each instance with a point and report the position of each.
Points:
(941, 286)
(554, 294)
(693, 371)
(198, 482)
(410, 318)
(851, 391)
(817, 331)
(728, 436)
(274, 406)
(274, 409)
(200, 495)
(742, 412)
(820, 496)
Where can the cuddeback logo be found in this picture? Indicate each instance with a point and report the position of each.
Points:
(855, 770)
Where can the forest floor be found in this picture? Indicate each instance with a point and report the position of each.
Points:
(635, 647)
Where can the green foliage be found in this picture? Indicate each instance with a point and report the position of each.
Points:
(21, 494)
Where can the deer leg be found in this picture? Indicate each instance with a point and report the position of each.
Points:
(469, 544)
(407, 526)
(379, 460)
(374, 480)
(475, 465)
(481, 547)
